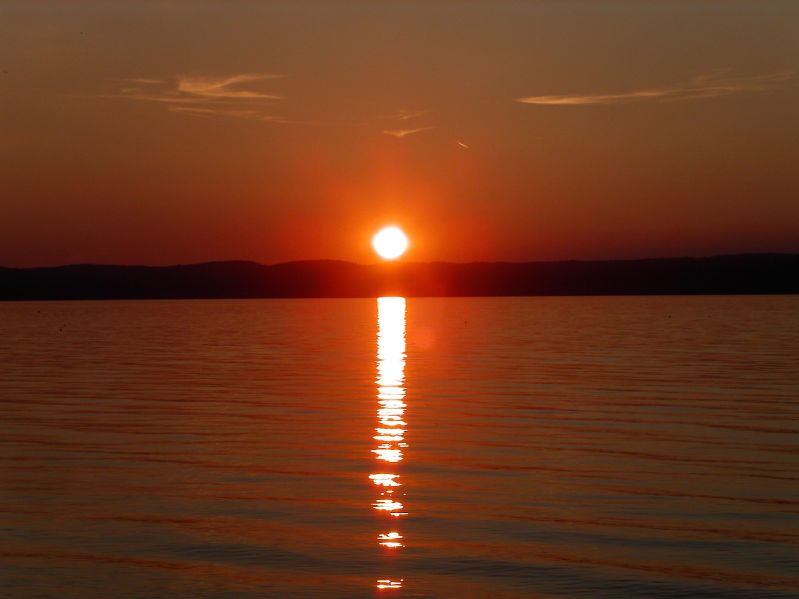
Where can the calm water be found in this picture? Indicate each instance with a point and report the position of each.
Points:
(518, 447)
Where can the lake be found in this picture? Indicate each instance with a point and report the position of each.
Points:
(463, 447)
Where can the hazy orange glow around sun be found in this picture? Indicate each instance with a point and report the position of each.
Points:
(390, 243)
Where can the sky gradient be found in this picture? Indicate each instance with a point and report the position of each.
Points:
(174, 132)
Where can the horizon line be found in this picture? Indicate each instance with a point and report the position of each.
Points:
(396, 262)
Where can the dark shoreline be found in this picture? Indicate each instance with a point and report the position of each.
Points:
(717, 275)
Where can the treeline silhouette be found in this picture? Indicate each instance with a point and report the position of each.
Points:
(737, 274)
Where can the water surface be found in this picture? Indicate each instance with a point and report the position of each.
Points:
(472, 447)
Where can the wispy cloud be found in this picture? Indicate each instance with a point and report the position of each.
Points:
(225, 88)
(193, 110)
(145, 81)
(406, 114)
(241, 95)
(402, 133)
(712, 85)
(255, 115)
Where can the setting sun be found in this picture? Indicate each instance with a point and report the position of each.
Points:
(390, 243)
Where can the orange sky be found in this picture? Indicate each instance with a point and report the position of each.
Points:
(169, 132)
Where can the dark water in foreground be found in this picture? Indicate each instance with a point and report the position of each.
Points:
(520, 447)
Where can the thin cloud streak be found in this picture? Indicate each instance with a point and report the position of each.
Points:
(405, 114)
(236, 96)
(129, 93)
(207, 96)
(712, 85)
(225, 88)
(402, 133)
(228, 112)
(189, 89)
(193, 110)
(145, 81)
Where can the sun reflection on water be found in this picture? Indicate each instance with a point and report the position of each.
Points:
(390, 430)
(389, 584)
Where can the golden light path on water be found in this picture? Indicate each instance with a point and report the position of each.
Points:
(391, 426)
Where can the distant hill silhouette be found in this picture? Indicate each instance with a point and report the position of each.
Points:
(747, 273)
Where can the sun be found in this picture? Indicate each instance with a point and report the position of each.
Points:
(390, 243)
